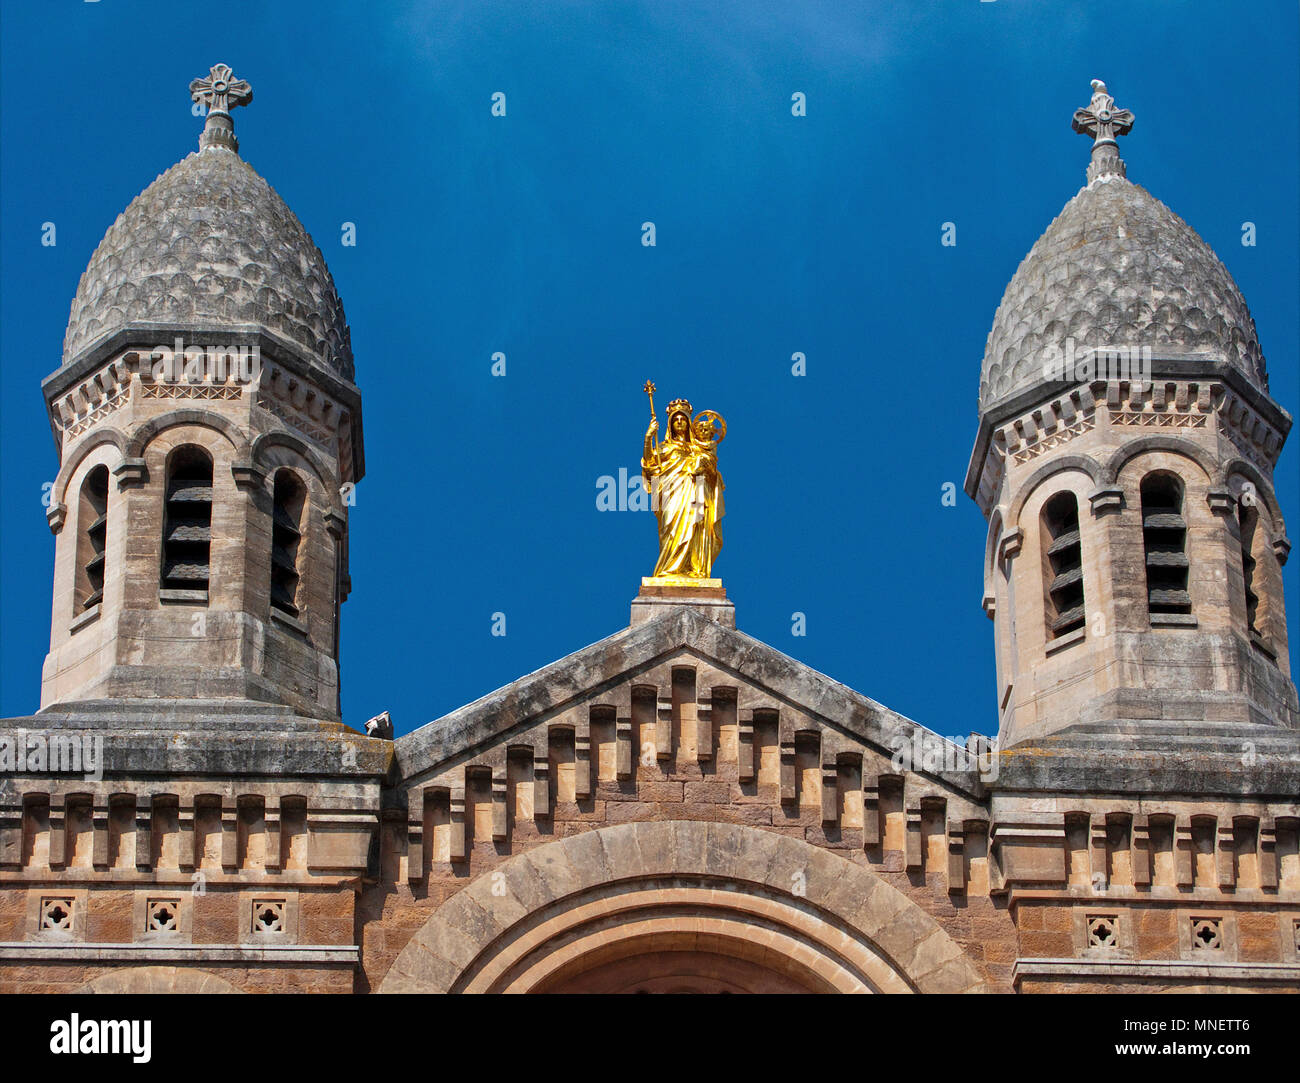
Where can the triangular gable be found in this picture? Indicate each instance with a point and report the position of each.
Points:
(588, 674)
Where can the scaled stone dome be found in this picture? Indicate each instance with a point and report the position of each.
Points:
(210, 243)
(1117, 268)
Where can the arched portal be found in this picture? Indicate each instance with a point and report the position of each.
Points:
(677, 907)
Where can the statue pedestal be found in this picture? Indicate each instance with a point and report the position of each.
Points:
(705, 596)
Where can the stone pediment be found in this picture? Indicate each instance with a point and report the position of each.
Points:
(600, 674)
(679, 717)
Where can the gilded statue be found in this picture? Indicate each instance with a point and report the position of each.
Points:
(681, 472)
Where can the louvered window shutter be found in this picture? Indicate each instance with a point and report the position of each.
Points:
(187, 531)
(1064, 565)
(1164, 533)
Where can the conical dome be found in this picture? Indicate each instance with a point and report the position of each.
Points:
(1117, 268)
(210, 245)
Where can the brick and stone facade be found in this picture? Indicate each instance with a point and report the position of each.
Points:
(678, 806)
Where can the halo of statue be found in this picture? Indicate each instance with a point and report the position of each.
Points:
(709, 426)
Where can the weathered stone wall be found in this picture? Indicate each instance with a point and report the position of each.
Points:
(248, 873)
(394, 910)
(216, 923)
(677, 806)
(144, 642)
(1099, 441)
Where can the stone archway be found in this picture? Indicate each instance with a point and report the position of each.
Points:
(679, 906)
(159, 979)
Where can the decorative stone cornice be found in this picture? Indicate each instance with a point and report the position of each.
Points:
(33, 951)
(131, 346)
(1051, 425)
(1182, 393)
(1252, 435)
(1053, 439)
(91, 399)
(190, 391)
(309, 410)
(1158, 970)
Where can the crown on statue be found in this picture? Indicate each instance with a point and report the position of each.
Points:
(679, 406)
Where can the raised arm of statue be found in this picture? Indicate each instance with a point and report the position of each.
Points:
(650, 454)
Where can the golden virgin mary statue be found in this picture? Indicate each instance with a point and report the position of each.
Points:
(681, 473)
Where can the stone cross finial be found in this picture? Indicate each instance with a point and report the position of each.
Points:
(221, 92)
(1101, 120)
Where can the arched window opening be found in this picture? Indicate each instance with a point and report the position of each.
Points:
(1063, 565)
(187, 530)
(1008, 650)
(1248, 524)
(92, 539)
(286, 534)
(1164, 534)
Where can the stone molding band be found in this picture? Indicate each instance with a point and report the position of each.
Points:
(31, 951)
(1144, 969)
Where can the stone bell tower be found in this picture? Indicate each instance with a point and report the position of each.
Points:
(1143, 822)
(208, 430)
(1124, 462)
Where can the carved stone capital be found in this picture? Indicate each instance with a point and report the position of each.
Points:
(1011, 542)
(56, 514)
(1221, 501)
(1281, 548)
(990, 606)
(1105, 501)
(335, 523)
(130, 474)
(248, 478)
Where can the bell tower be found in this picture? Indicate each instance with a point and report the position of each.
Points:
(209, 432)
(1124, 461)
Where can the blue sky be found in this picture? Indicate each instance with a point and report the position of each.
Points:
(522, 234)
